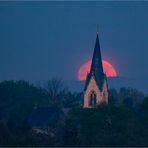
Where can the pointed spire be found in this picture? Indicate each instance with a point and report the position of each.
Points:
(96, 69)
(96, 65)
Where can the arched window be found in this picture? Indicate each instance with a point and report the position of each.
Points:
(104, 95)
(92, 99)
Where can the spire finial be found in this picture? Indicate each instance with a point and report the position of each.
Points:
(97, 29)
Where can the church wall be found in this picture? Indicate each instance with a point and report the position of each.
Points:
(105, 91)
(92, 86)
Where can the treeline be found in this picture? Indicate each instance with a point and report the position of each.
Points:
(121, 122)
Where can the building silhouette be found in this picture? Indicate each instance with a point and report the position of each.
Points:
(96, 88)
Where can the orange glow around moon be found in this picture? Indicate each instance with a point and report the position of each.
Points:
(108, 69)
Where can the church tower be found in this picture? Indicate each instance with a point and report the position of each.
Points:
(96, 89)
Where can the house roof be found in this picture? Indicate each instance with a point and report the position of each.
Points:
(43, 117)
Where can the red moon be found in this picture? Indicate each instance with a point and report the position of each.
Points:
(108, 69)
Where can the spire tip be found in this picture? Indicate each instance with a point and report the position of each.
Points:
(97, 29)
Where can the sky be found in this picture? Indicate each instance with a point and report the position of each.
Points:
(41, 40)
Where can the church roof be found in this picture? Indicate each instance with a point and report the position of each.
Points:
(96, 69)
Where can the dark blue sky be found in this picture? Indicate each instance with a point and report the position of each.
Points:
(39, 40)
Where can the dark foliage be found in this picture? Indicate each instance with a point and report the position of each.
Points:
(122, 122)
(17, 99)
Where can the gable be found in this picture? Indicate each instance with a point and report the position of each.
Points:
(92, 85)
(99, 81)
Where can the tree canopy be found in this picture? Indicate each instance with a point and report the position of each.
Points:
(121, 122)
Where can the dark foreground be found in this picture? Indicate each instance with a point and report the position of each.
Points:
(123, 122)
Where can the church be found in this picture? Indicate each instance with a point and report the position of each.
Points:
(96, 88)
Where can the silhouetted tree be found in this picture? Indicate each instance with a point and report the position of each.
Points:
(112, 124)
(56, 90)
(113, 97)
(135, 96)
(17, 99)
